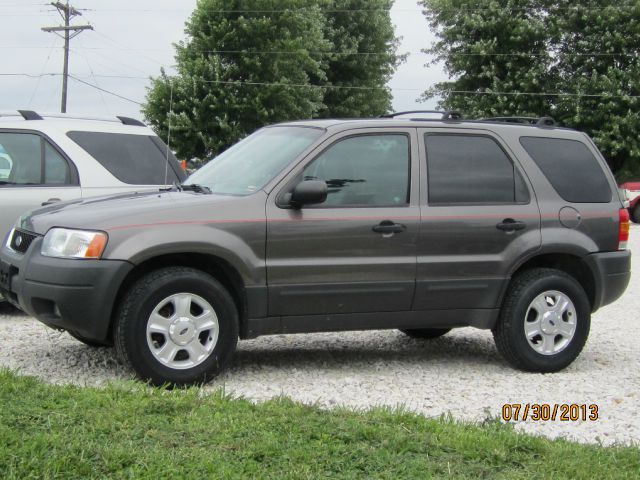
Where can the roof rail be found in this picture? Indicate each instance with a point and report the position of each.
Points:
(446, 115)
(540, 122)
(29, 115)
(131, 121)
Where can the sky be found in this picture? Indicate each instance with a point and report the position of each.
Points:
(134, 38)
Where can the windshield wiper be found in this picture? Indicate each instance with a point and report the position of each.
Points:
(194, 187)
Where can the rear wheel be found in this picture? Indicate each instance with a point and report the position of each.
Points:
(426, 333)
(544, 322)
(635, 213)
(177, 326)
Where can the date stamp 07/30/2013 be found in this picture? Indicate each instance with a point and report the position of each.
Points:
(543, 412)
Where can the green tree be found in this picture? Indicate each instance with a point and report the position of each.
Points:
(490, 46)
(364, 59)
(245, 64)
(598, 54)
(226, 85)
(585, 56)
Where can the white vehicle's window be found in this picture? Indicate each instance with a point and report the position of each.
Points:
(56, 170)
(132, 159)
(365, 171)
(23, 162)
(24, 152)
(251, 163)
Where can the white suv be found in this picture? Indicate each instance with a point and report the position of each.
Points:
(47, 159)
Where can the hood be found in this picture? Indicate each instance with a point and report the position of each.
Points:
(105, 213)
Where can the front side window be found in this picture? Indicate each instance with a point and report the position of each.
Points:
(471, 169)
(28, 159)
(250, 164)
(366, 171)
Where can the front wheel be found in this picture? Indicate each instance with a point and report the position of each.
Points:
(544, 322)
(177, 326)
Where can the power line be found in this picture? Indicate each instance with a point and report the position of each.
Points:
(329, 52)
(296, 85)
(104, 90)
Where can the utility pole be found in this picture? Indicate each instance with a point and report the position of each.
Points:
(67, 12)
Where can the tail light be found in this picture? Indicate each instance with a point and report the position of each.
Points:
(623, 229)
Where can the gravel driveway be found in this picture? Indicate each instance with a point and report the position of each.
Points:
(460, 374)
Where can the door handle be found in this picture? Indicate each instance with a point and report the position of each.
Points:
(387, 226)
(511, 225)
(51, 201)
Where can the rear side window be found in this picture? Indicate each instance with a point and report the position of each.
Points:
(132, 159)
(471, 169)
(570, 167)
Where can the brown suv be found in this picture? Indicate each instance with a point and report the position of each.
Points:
(412, 223)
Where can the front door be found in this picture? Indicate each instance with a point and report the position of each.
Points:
(479, 218)
(356, 252)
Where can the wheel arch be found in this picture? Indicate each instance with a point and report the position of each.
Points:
(219, 268)
(571, 264)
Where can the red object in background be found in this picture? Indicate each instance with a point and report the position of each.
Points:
(183, 164)
(633, 195)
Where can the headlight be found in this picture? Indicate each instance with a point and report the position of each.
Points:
(65, 243)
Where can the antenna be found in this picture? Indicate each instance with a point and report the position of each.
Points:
(166, 163)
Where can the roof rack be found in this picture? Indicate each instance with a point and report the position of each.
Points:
(537, 121)
(131, 121)
(32, 115)
(446, 115)
(29, 115)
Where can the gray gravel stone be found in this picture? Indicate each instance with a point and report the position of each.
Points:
(459, 374)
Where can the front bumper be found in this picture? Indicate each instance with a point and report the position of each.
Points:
(76, 295)
(612, 272)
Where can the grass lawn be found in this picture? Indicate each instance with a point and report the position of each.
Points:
(129, 430)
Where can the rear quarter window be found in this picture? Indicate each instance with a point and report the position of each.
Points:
(571, 168)
(132, 159)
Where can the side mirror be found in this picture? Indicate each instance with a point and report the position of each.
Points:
(308, 192)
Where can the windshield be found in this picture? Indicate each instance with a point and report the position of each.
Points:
(251, 163)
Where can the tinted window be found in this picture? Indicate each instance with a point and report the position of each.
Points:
(253, 162)
(570, 167)
(25, 152)
(371, 170)
(464, 169)
(133, 159)
(56, 170)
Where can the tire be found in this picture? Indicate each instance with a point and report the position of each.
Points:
(88, 342)
(426, 333)
(183, 345)
(544, 321)
(635, 213)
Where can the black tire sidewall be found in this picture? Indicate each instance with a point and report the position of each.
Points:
(635, 213)
(133, 332)
(550, 363)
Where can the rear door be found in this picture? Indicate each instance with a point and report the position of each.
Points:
(336, 257)
(479, 217)
(38, 175)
